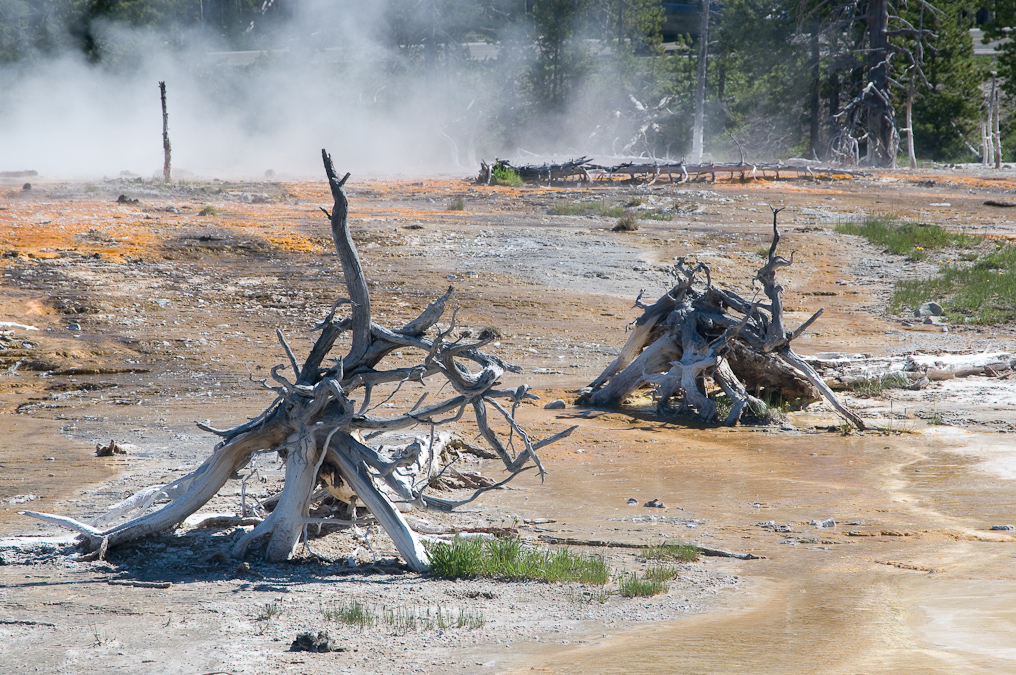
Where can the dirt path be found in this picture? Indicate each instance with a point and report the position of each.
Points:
(150, 314)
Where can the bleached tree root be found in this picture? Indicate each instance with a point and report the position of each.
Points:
(693, 336)
(315, 426)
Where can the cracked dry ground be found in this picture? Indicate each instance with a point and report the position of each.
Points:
(157, 313)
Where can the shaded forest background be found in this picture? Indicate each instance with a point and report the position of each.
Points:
(783, 78)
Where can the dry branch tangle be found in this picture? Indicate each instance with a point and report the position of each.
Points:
(689, 337)
(317, 427)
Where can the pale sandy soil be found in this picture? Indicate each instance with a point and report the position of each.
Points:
(175, 307)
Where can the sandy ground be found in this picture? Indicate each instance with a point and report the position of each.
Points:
(151, 315)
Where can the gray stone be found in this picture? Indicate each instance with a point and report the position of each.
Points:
(929, 309)
(655, 504)
(1004, 528)
(74, 326)
(632, 501)
(559, 404)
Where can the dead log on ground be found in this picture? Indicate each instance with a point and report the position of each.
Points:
(318, 429)
(697, 339)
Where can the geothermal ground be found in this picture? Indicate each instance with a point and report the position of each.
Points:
(153, 313)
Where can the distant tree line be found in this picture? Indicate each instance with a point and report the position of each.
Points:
(823, 79)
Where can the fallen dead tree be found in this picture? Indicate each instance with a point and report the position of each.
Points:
(317, 427)
(845, 372)
(584, 169)
(697, 337)
(535, 172)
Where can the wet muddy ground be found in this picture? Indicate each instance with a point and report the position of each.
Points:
(156, 313)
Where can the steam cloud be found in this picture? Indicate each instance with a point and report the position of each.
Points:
(67, 118)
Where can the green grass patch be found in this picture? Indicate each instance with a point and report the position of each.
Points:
(599, 209)
(509, 558)
(634, 586)
(502, 175)
(456, 204)
(876, 385)
(982, 291)
(913, 240)
(208, 211)
(678, 552)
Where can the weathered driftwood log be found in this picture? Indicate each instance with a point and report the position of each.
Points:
(317, 427)
(695, 339)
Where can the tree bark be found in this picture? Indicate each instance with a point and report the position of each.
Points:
(167, 150)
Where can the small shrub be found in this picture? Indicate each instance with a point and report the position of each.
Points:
(678, 552)
(456, 204)
(503, 175)
(208, 211)
(269, 611)
(628, 222)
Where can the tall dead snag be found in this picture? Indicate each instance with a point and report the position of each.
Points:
(167, 150)
(318, 428)
(692, 340)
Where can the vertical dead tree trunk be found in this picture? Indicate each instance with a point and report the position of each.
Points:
(996, 136)
(316, 426)
(691, 336)
(698, 130)
(167, 150)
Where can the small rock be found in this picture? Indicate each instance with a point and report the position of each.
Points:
(308, 642)
(559, 404)
(828, 522)
(585, 390)
(906, 324)
(655, 504)
(920, 384)
(74, 326)
(929, 309)
(632, 501)
(580, 451)
(26, 187)
(1004, 528)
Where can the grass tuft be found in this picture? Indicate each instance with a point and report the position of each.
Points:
(456, 204)
(877, 385)
(678, 552)
(208, 211)
(404, 619)
(508, 558)
(634, 586)
(353, 613)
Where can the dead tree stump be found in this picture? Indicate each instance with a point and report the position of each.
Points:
(319, 429)
(698, 338)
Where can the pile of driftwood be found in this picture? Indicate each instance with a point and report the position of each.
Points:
(698, 341)
(323, 420)
(584, 169)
